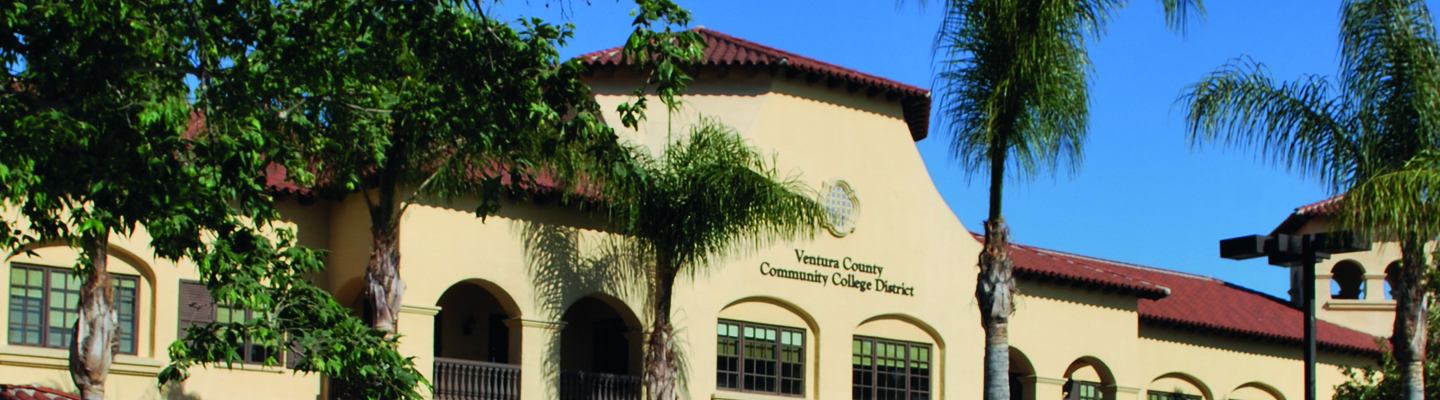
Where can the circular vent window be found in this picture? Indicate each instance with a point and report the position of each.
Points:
(841, 207)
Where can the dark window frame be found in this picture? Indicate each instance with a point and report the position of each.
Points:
(858, 390)
(1077, 390)
(788, 377)
(1159, 395)
(47, 290)
(252, 353)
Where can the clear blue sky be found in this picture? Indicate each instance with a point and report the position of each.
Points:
(1143, 194)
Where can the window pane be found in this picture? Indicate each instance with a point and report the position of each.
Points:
(760, 358)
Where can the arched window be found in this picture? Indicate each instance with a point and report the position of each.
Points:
(764, 345)
(1347, 281)
(1089, 379)
(894, 357)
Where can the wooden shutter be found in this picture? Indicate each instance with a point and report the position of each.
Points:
(196, 306)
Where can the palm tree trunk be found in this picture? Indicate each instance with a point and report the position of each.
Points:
(1410, 316)
(93, 345)
(660, 365)
(994, 290)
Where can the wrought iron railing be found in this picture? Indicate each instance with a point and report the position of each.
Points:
(475, 380)
(597, 386)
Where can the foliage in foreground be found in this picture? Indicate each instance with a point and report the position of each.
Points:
(250, 270)
(1370, 136)
(1013, 86)
(708, 195)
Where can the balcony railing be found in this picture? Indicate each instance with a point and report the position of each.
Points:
(475, 380)
(596, 386)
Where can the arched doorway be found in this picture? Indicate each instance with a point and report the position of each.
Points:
(599, 351)
(477, 353)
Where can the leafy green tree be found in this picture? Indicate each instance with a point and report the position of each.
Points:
(1371, 139)
(263, 269)
(403, 100)
(1014, 95)
(91, 146)
(98, 137)
(707, 195)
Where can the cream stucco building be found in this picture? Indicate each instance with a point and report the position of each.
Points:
(530, 304)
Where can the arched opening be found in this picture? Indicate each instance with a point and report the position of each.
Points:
(1177, 386)
(1390, 273)
(471, 325)
(1347, 281)
(477, 352)
(1022, 376)
(1255, 391)
(599, 357)
(766, 345)
(895, 356)
(1089, 379)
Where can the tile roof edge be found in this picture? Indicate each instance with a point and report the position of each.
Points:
(1129, 265)
(1144, 318)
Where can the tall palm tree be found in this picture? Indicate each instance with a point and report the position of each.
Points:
(706, 196)
(1372, 139)
(1013, 85)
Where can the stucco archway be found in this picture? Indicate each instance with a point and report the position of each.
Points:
(1180, 383)
(1022, 376)
(471, 324)
(1089, 376)
(1255, 391)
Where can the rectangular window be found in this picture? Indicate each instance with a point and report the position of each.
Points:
(1084, 390)
(45, 303)
(889, 370)
(760, 358)
(1153, 395)
(197, 307)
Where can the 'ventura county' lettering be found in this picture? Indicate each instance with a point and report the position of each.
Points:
(846, 263)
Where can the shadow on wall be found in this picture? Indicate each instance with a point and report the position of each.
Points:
(176, 391)
(566, 264)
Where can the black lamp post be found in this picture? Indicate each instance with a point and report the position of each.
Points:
(1297, 251)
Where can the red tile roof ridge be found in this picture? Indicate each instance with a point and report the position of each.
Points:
(1071, 258)
(1303, 214)
(727, 50)
(1320, 207)
(1129, 265)
(787, 55)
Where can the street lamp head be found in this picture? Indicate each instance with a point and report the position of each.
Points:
(1244, 247)
(1340, 242)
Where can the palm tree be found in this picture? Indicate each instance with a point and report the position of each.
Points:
(1013, 86)
(1372, 139)
(706, 196)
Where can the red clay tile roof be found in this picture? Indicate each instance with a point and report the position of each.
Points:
(1191, 302)
(726, 51)
(1037, 264)
(30, 392)
(1305, 213)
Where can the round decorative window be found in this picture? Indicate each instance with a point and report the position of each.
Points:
(841, 207)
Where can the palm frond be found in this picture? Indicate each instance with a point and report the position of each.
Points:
(1391, 76)
(711, 194)
(1301, 124)
(1179, 12)
(1398, 202)
(1013, 81)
